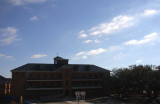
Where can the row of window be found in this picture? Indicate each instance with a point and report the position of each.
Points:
(44, 84)
(5, 85)
(59, 84)
(88, 75)
(42, 75)
(59, 75)
(76, 84)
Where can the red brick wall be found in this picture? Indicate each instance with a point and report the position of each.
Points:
(20, 83)
(5, 88)
(67, 82)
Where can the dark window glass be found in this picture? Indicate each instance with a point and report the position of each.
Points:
(84, 76)
(45, 75)
(67, 83)
(78, 76)
(37, 76)
(90, 75)
(52, 84)
(95, 75)
(59, 76)
(66, 73)
(31, 76)
(52, 76)
(38, 84)
(101, 75)
(23, 75)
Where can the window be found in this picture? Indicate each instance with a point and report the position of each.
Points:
(101, 75)
(23, 75)
(66, 73)
(78, 75)
(31, 76)
(37, 76)
(90, 75)
(45, 75)
(38, 84)
(59, 75)
(52, 84)
(84, 76)
(67, 83)
(52, 76)
(95, 76)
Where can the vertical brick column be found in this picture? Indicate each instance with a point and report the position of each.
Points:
(67, 82)
(17, 85)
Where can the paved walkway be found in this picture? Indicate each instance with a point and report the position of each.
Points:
(101, 100)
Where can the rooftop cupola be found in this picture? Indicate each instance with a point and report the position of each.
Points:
(60, 61)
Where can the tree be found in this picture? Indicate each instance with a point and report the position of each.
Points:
(135, 79)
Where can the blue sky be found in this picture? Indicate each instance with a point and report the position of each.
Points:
(107, 33)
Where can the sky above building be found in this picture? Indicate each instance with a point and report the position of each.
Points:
(107, 33)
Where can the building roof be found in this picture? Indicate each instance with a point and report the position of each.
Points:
(53, 67)
(59, 58)
(58, 66)
(3, 79)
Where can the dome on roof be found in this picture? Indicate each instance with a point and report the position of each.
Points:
(58, 58)
(60, 61)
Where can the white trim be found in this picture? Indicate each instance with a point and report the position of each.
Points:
(86, 79)
(45, 80)
(36, 71)
(86, 87)
(44, 88)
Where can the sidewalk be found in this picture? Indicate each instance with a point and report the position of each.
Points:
(100, 100)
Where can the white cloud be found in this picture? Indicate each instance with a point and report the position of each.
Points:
(9, 57)
(83, 36)
(8, 35)
(138, 61)
(5, 56)
(149, 12)
(92, 41)
(97, 41)
(2, 55)
(85, 54)
(87, 41)
(146, 39)
(116, 24)
(24, 2)
(38, 56)
(80, 53)
(114, 48)
(96, 52)
(84, 57)
(34, 18)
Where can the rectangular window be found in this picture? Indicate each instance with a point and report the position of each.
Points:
(23, 75)
(90, 75)
(52, 76)
(59, 76)
(67, 83)
(67, 73)
(31, 76)
(45, 75)
(37, 76)
(95, 76)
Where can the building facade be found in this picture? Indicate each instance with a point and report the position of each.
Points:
(58, 80)
(5, 85)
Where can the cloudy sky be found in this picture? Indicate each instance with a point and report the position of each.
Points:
(107, 33)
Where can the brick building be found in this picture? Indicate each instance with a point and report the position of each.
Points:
(5, 84)
(58, 80)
